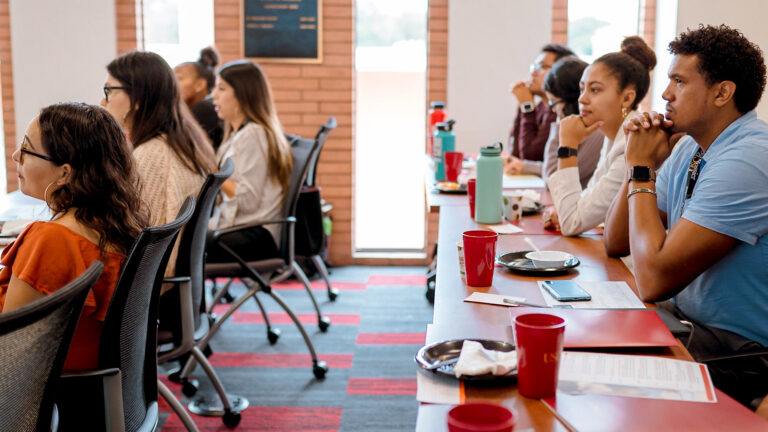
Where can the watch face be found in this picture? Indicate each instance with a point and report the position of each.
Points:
(564, 152)
(641, 173)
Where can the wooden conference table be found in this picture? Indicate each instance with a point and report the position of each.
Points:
(456, 319)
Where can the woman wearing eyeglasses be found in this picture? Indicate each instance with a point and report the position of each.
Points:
(172, 152)
(611, 89)
(561, 85)
(76, 158)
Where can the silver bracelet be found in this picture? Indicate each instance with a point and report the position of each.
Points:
(641, 190)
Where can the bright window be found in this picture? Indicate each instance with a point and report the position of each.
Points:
(178, 29)
(597, 27)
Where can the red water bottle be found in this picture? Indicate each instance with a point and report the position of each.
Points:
(436, 115)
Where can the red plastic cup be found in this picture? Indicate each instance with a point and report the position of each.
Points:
(479, 256)
(539, 341)
(480, 416)
(471, 194)
(452, 165)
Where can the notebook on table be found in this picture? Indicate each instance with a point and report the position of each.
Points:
(607, 328)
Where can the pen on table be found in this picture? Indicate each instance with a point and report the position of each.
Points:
(520, 303)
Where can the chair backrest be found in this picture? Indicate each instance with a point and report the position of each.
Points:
(322, 134)
(190, 260)
(34, 341)
(129, 336)
(303, 150)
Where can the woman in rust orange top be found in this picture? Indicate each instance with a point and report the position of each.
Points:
(76, 158)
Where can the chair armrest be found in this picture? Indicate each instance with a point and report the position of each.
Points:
(113, 394)
(216, 234)
(186, 314)
(737, 356)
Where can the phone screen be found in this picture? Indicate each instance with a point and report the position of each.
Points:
(566, 290)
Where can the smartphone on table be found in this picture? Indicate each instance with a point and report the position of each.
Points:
(565, 290)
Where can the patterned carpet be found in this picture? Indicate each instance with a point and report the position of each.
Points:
(377, 324)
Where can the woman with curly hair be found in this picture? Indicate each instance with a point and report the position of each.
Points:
(76, 158)
(196, 80)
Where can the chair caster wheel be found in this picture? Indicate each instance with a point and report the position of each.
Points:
(320, 369)
(273, 335)
(231, 419)
(175, 376)
(333, 293)
(189, 387)
(207, 351)
(324, 323)
(430, 294)
(227, 298)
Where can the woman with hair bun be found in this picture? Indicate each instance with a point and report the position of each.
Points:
(76, 158)
(611, 89)
(196, 81)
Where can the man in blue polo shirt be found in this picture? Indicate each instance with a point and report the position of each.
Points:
(697, 233)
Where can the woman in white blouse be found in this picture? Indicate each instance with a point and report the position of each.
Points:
(254, 140)
(611, 88)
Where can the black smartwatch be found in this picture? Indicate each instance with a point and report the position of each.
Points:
(527, 107)
(642, 174)
(564, 152)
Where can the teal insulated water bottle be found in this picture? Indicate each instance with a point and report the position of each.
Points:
(488, 189)
(444, 141)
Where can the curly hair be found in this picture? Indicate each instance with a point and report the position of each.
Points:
(103, 185)
(631, 66)
(724, 54)
(563, 82)
(559, 50)
(205, 66)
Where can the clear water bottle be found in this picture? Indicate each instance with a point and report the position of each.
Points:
(489, 187)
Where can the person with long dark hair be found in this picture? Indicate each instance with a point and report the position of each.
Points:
(196, 80)
(76, 158)
(254, 139)
(561, 86)
(611, 89)
(172, 152)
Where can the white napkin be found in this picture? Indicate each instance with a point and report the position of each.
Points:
(476, 360)
(506, 228)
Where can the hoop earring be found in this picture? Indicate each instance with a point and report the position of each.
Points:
(45, 194)
(624, 112)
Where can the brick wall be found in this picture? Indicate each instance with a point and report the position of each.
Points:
(306, 95)
(129, 25)
(560, 21)
(6, 82)
(437, 83)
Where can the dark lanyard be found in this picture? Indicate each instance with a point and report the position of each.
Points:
(694, 170)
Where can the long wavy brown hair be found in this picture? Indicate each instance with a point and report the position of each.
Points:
(254, 95)
(103, 184)
(157, 109)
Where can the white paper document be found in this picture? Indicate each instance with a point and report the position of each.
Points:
(493, 299)
(635, 376)
(432, 388)
(505, 228)
(523, 182)
(605, 295)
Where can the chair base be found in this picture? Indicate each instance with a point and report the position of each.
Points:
(211, 406)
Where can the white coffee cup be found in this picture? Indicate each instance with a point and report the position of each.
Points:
(513, 207)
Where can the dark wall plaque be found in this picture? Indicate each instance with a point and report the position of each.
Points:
(282, 30)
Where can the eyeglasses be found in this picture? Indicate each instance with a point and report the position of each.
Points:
(23, 151)
(554, 103)
(535, 67)
(108, 90)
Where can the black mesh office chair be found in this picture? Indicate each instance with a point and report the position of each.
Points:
(34, 341)
(309, 223)
(276, 269)
(126, 381)
(180, 321)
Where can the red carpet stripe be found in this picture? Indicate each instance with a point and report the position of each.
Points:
(284, 318)
(390, 338)
(382, 386)
(276, 360)
(317, 285)
(397, 280)
(270, 418)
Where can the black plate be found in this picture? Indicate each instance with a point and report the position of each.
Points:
(533, 210)
(462, 190)
(517, 261)
(450, 350)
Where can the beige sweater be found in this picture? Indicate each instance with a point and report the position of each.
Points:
(166, 183)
